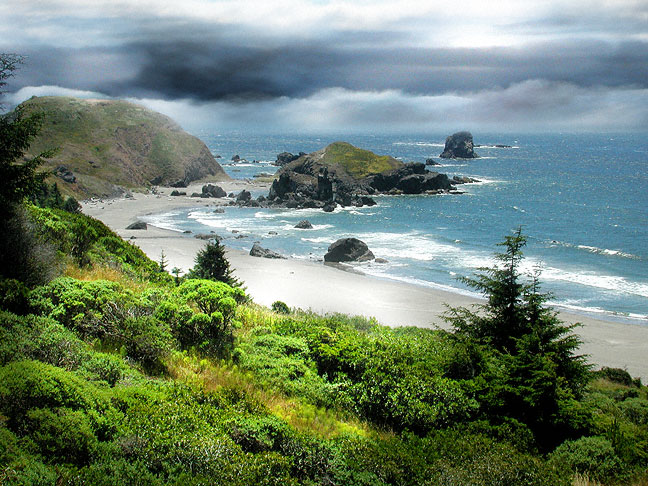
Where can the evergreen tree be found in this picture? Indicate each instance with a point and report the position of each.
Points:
(211, 264)
(163, 262)
(22, 255)
(17, 130)
(536, 372)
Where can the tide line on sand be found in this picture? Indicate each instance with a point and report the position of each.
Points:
(310, 285)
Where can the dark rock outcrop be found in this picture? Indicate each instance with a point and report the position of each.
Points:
(463, 180)
(459, 146)
(348, 250)
(304, 224)
(258, 251)
(431, 162)
(211, 190)
(178, 193)
(65, 174)
(138, 225)
(341, 174)
(412, 178)
(286, 158)
(244, 196)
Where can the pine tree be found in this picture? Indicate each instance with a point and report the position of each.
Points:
(17, 130)
(163, 262)
(211, 264)
(538, 371)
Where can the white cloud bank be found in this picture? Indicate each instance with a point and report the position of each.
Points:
(534, 105)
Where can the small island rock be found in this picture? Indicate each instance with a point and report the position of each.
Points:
(304, 224)
(459, 146)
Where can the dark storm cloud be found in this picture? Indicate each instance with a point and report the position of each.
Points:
(210, 72)
(220, 68)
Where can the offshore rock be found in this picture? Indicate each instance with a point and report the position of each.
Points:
(348, 250)
(244, 196)
(459, 146)
(305, 224)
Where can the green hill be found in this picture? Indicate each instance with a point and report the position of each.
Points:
(109, 143)
(358, 163)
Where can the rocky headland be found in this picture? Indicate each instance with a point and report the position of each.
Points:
(107, 147)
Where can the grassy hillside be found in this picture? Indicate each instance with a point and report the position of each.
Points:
(357, 162)
(116, 373)
(106, 143)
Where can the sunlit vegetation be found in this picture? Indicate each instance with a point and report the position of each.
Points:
(114, 372)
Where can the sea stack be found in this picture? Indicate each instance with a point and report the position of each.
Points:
(459, 146)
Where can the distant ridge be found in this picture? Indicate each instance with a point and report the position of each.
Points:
(107, 145)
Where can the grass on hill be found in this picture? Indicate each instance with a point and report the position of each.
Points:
(112, 142)
(359, 163)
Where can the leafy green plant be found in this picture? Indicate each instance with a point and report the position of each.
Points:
(593, 456)
(280, 307)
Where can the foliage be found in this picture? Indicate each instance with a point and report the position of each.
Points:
(148, 382)
(89, 242)
(49, 196)
(25, 255)
(536, 375)
(17, 130)
(210, 329)
(280, 307)
(211, 264)
(593, 456)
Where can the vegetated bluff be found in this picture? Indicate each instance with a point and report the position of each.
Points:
(104, 144)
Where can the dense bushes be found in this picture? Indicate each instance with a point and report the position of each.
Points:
(288, 398)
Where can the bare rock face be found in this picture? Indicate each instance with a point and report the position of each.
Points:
(459, 146)
(348, 250)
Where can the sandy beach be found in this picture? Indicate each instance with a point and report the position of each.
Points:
(325, 289)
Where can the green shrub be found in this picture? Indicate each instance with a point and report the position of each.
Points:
(618, 375)
(593, 456)
(62, 435)
(105, 367)
(280, 307)
(210, 329)
(39, 338)
(146, 340)
(27, 385)
(635, 410)
(14, 296)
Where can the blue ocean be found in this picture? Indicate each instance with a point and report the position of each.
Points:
(582, 201)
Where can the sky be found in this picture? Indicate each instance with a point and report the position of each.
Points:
(365, 66)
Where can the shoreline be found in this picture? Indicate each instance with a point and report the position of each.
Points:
(325, 289)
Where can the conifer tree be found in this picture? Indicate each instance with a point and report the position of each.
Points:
(538, 371)
(211, 264)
